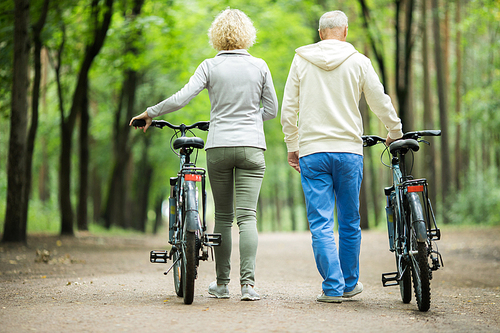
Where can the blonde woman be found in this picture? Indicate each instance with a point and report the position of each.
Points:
(238, 84)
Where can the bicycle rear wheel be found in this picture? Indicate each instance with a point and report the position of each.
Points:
(421, 275)
(189, 254)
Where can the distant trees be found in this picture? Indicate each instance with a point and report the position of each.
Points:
(92, 64)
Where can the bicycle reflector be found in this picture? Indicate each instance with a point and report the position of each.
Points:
(415, 188)
(191, 177)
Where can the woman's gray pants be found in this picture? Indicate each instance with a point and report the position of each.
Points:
(236, 175)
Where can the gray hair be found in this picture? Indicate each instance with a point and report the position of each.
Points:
(333, 20)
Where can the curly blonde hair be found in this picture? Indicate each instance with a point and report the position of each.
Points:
(231, 30)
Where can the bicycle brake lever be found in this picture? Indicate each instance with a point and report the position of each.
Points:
(426, 142)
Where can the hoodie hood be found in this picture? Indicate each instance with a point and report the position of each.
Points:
(327, 54)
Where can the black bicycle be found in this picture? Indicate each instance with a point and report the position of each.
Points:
(187, 231)
(411, 222)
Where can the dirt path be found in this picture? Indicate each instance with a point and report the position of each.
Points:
(94, 284)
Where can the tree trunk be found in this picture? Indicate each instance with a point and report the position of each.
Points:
(429, 152)
(96, 194)
(79, 106)
(375, 43)
(403, 58)
(459, 164)
(82, 215)
(43, 173)
(119, 186)
(30, 144)
(140, 213)
(15, 219)
(372, 190)
(443, 109)
(159, 216)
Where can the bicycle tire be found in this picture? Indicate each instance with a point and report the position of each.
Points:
(421, 278)
(420, 268)
(402, 263)
(189, 267)
(405, 282)
(178, 276)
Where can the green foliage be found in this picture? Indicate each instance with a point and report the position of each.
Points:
(167, 42)
(6, 52)
(479, 201)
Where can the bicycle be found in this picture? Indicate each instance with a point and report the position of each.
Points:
(187, 231)
(411, 222)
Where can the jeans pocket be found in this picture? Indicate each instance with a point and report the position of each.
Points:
(215, 155)
(254, 157)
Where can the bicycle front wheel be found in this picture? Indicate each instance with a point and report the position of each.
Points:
(405, 282)
(189, 267)
(178, 276)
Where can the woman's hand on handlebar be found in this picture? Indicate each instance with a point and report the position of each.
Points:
(146, 118)
(389, 140)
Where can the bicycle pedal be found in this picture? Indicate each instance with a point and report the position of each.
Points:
(434, 234)
(437, 260)
(213, 239)
(390, 279)
(159, 257)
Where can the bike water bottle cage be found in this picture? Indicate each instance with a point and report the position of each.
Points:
(189, 142)
(403, 146)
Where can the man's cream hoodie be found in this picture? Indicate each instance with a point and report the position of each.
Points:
(324, 87)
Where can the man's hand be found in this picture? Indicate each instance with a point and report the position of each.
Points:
(144, 116)
(293, 160)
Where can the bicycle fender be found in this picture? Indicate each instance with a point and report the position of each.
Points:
(191, 205)
(417, 216)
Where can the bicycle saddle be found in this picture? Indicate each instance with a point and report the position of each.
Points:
(189, 142)
(400, 145)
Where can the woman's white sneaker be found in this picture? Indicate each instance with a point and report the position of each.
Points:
(248, 293)
(219, 291)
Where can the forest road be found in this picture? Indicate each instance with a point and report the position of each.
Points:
(106, 284)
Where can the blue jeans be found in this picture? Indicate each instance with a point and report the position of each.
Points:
(330, 179)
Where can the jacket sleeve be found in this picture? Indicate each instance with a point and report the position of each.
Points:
(269, 108)
(290, 109)
(380, 103)
(196, 84)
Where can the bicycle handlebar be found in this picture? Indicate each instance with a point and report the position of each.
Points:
(418, 134)
(371, 140)
(202, 125)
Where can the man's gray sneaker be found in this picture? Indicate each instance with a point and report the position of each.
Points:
(328, 299)
(219, 291)
(248, 293)
(357, 290)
